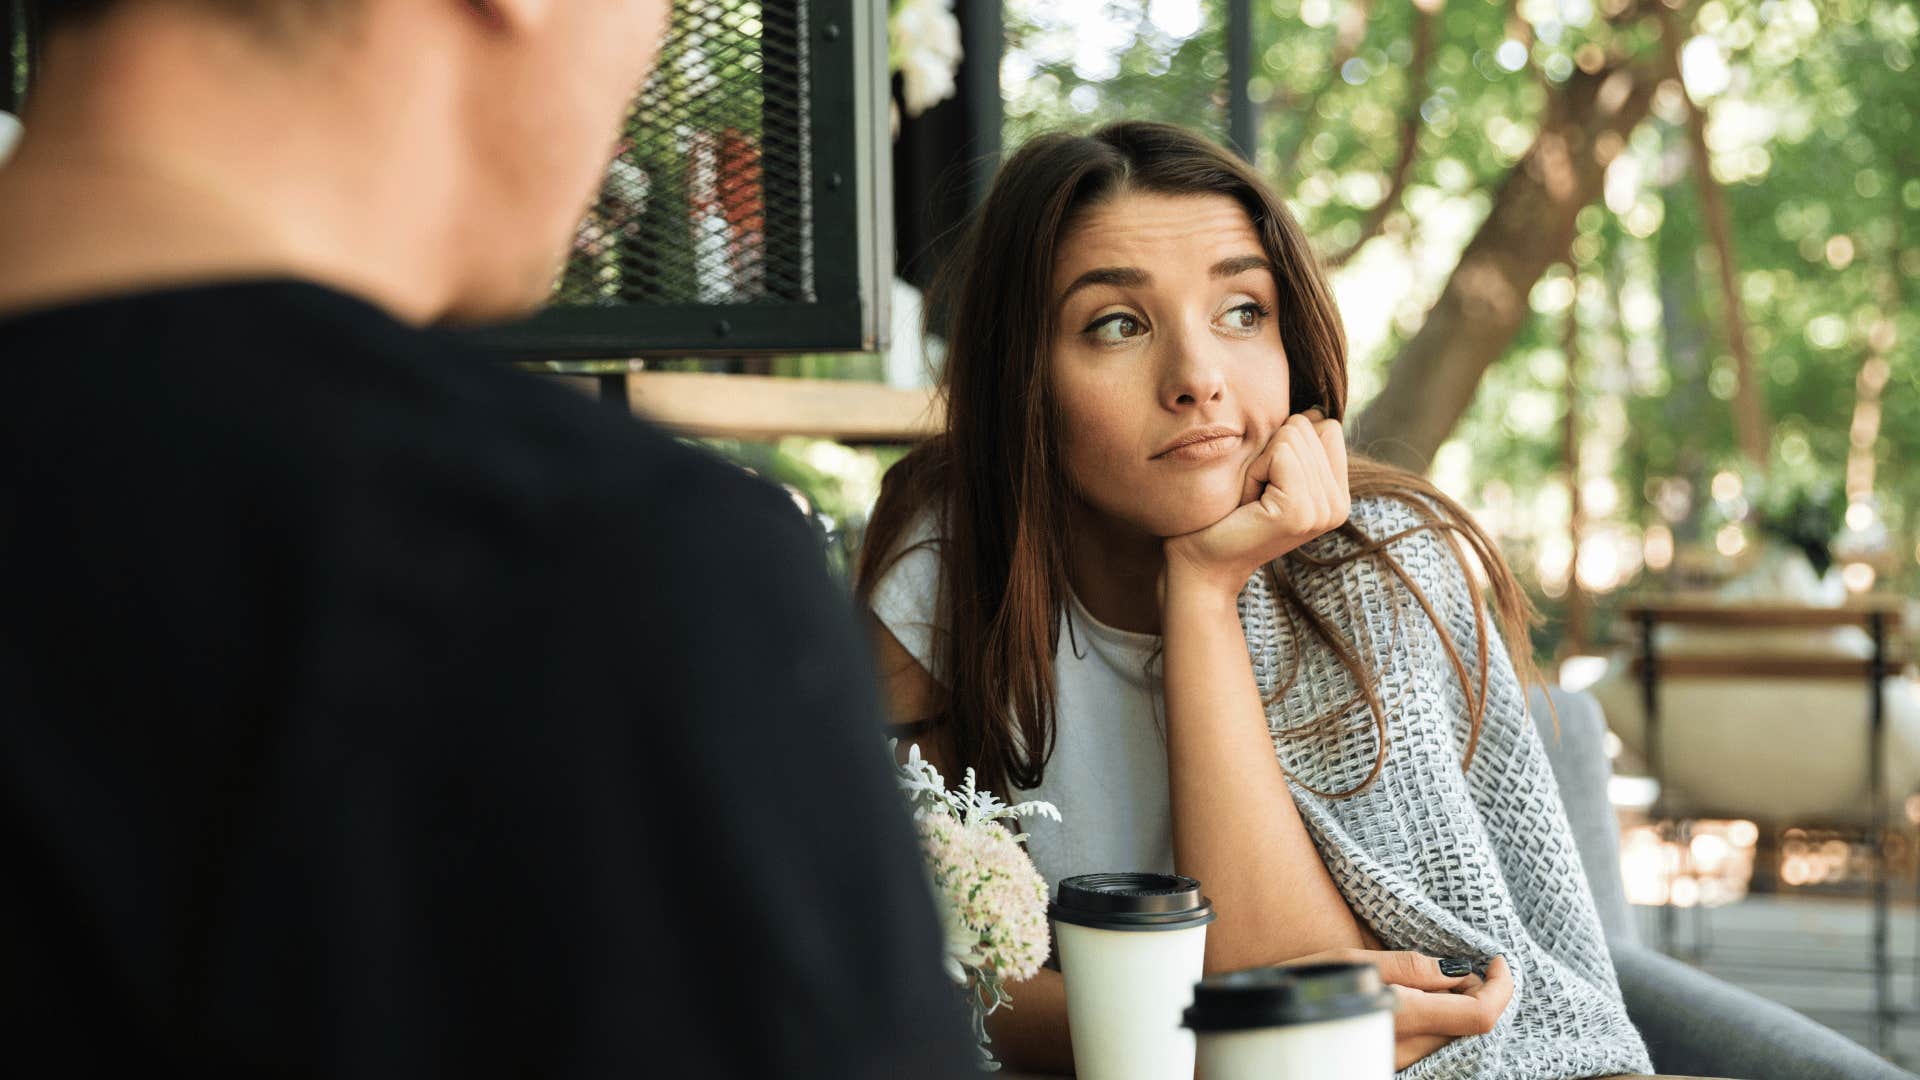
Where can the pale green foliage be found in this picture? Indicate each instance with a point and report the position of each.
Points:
(1814, 123)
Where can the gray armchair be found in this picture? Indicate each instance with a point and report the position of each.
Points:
(1694, 1024)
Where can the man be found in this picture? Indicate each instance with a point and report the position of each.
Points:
(366, 709)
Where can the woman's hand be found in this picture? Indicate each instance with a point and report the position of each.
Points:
(1295, 490)
(1434, 1008)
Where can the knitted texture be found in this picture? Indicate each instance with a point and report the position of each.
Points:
(1476, 864)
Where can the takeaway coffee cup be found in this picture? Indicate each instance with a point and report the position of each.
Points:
(1131, 947)
(1320, 1022)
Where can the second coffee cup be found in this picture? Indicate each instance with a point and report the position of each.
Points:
(1132, 946)
(1317, 1022)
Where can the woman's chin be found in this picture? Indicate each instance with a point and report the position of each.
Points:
(1171, 509)
(1194, 513)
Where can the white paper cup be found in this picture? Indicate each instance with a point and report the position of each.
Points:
(1321, 1022)
(1131, 947)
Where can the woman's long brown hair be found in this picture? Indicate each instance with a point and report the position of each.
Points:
(995, 478)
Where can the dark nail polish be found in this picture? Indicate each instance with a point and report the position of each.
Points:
(1455, 966)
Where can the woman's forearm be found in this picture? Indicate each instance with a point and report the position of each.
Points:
(1030, 1035)
(1235, 826)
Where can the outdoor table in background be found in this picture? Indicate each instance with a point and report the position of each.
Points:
(1880, 617)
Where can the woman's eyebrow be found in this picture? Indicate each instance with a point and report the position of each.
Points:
(1126, 277)
(1131, 277)
(1239, 264)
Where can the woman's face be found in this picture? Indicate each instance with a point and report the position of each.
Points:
(1167, 366)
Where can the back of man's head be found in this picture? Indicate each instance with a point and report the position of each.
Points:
(440, 149)
(282, 19)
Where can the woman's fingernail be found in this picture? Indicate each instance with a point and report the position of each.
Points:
(1454, 966)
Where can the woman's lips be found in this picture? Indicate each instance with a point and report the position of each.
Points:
(1209, 447)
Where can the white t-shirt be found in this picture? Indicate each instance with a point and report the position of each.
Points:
(1108, 772)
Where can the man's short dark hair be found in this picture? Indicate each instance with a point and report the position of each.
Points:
(281, 23)
(54, 14)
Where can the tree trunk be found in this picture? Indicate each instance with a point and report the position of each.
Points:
(1484, 303)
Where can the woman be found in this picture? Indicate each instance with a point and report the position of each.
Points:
(1139, 576)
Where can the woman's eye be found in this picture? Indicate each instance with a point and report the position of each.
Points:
(1116, 327)
(1246, 317)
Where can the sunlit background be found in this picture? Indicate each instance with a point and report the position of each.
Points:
(1822, 192)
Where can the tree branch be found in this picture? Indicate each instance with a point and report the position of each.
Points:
(1484, 302)
(1749, 410)
(1863, 434)
(1346, 42)
(1417, 74)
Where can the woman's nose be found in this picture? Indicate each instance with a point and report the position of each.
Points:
(1192, 374)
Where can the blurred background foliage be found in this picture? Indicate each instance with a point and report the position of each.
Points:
(1390, 127)
(1811, 124)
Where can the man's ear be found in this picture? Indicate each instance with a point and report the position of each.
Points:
(513, 15)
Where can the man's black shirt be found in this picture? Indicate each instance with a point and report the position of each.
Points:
(370, 710)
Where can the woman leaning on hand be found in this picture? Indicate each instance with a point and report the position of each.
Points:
(1140, 576)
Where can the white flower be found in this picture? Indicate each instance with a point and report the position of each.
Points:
(924, 46)
(993, 903)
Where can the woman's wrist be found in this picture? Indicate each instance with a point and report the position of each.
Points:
(1188, 586)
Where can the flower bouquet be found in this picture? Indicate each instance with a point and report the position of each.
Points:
(991, 899)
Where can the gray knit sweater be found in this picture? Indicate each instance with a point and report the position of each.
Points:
(1480, 864)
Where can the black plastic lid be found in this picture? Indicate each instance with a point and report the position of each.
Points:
(1131, 902)
(1280, 996)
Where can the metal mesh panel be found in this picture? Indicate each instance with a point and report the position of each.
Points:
(707, 202)
(16, 53)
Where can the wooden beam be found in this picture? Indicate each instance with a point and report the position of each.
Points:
(764, 407)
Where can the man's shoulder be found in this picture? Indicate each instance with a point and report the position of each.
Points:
(607, 484)
(278, 389)
(562, 451)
